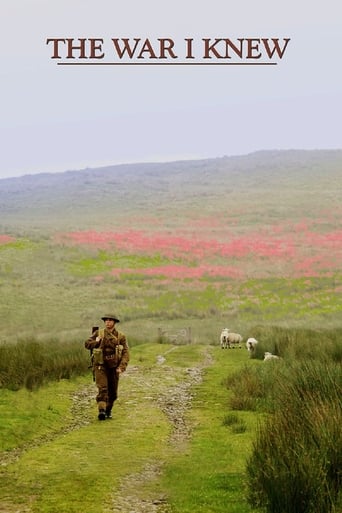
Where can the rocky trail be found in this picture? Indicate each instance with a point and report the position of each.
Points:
(174, 400)
(172, 396)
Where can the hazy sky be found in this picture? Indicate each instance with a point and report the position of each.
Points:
(58, 118)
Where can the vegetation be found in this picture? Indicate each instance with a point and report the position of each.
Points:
(274, 427)
(136, 439)
(31, 364)
(231, 241)
(295, 465)
(252, 243)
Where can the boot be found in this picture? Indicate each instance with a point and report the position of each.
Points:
(109, 413)
(102, 415)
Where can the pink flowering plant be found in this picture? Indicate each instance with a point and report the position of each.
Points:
(278, 251)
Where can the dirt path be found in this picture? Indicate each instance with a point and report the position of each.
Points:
(174, 401)
(172, 397)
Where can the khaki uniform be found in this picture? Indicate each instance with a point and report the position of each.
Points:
(115, 355)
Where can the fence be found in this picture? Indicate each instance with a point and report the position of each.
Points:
(175, 336)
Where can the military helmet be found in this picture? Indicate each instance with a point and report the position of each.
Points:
(110, 316)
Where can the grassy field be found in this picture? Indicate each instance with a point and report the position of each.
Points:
(53, 288)
(252, 243)
(57, 459)
(234, 242)
(196, 429)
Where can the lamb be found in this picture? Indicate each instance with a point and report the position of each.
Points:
(270, 356)
(223, 338)
(251, 343)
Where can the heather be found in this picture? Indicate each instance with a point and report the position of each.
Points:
(60, 284)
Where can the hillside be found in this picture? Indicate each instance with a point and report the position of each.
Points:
(271, 183)
(232, 241)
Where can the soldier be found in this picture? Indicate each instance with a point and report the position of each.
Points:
(110, 356)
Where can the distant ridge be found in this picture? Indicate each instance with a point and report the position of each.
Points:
(138, 166)
(100, 196)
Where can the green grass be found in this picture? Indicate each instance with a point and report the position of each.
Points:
(209, 471)
(29, 363)
(104, 262)
(28, 415)
(208, 476)
(75, 461)
(54, 293)
(296, 461)
(82, 464)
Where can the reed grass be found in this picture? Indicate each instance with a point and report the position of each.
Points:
(296, 460)
(31, 364)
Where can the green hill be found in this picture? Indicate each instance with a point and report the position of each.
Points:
(274, 184)
(238, 241)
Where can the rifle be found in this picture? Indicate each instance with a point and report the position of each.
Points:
(91, 366)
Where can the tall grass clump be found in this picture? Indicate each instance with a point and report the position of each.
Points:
(297, 343)
(252, 387)
(296, 461)
(31, 364)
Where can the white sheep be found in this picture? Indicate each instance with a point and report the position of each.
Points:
(223, 338)
(270, 356)
(234, 339)
(251, 343)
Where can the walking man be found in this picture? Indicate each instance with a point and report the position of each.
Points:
(110, 356)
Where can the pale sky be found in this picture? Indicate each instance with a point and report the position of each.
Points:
(58, 118)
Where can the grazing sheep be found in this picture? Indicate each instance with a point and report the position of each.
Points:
(251, 343)
(234, 340)
(223, 338)
(270, 356)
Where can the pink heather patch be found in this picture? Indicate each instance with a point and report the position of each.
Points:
(182, 272)
(307, 266)
(258, 246)
(332, 239)
(285, 249)
(302, 226)
(6, 239)
(172, 246)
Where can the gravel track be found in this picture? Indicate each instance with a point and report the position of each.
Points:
(174, 399)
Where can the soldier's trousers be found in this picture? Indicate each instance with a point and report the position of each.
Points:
(107, 381)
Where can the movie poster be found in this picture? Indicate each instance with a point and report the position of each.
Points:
(170, 256)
